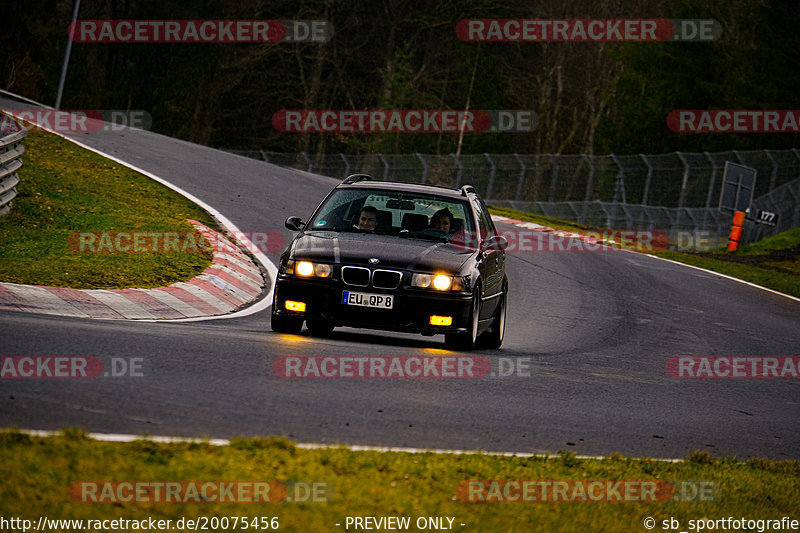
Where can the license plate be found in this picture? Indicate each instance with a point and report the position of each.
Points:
(365, 299)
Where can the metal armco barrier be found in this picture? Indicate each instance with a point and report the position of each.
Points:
(11, 149)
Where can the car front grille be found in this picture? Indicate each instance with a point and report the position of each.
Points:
(386, 279)
(357, 276)
(361, 276)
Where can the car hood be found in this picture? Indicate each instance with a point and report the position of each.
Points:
(356, 248)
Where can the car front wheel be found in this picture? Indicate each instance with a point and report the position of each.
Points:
(466, 340)
(494, 337)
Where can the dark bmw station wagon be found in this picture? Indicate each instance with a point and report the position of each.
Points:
(395, 256)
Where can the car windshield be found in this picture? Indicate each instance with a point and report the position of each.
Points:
(391, 212)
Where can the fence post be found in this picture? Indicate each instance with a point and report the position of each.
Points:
(620, 185)
(714, 169)
(385, 167)
(309, 164)
(710, 195)
(458, 173)
(492, 174)
(796, 219)
(424, 168)
(65, 65)
(646, 193)
(346, 165)
(521, 176)
(554, 182)
(589, 188)
(774, 178)
(682, 198)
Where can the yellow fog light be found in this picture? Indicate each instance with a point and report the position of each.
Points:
(437, 320)
(304, 268)
(291, 305)
(441, 282)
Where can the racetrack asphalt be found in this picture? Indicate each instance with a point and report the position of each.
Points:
(597, 331)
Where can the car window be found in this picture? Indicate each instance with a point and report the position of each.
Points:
(484, 219)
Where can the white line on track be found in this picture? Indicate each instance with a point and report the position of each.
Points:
(506, 220)
(726, 277)
(122, 437)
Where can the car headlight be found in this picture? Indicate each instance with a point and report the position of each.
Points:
(307, 269)
(439, 282)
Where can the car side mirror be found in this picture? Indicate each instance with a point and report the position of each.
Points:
(494, 242)
(294, 223)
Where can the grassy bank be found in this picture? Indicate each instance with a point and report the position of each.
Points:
(65, 190)
(773, 262)
(37, 474)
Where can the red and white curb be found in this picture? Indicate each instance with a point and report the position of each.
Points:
(230, 282)
(544, 229)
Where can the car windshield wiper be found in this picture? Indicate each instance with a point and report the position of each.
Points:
(345, 229)
(424, 235)
(332, 228)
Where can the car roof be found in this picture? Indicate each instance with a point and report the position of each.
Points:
(398, 186)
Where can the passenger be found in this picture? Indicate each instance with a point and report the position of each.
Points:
(368, 218)
(442, 220)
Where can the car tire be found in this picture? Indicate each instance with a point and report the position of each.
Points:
(466, 341)
(494, 337)
(286, 324)
(319, 327)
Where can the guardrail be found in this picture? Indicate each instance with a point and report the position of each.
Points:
(11, 149)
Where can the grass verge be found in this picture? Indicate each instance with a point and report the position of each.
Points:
(65, 190)
(773, 262)
(38, 472)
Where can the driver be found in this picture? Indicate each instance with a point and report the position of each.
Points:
(442, 220)
(368, 218)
